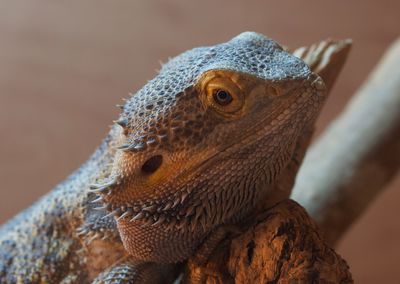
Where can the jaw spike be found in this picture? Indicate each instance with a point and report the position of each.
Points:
(140, 147)
(122, 121)
(96, 189)
(199, 212)
(122, 146)
(180, 225)
(160, 220)
(101, 208)
(125, 147)
(82, 231)
(176, 202)
(147, 223)
(132, 147)
(190, 211)
(184, 196)
(98, 199)
(138, 216)
(167, 206)
(102, 188)
(121, 107)
(150, 208)
(111, 214)
(125, 214)
(95, 236)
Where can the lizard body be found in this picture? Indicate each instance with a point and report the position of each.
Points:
(198, 147)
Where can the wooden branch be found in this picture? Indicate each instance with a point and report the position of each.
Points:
(281, 246)
(358, 154)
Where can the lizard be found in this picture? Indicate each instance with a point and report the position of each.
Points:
(197, 149)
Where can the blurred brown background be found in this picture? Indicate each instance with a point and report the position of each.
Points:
(65, 64)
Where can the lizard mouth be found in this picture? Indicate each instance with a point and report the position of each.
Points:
(166, 212)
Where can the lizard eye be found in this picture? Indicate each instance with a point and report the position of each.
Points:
(223, 95)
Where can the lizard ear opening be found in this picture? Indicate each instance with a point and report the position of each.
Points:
(152, 164)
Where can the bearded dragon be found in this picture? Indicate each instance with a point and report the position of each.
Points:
(199, 147)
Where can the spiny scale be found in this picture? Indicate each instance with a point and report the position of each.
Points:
(160, 220)
(103, 188)
(176, 202)
(99, 198)
(95, 236)
(132, 147)
(167, 206)
(150, 208)
(112, 214)
(104, 207)
(82, 231)
(122, 121)
(184, 196)
(190, 210)
(138, 216)
(125, 214)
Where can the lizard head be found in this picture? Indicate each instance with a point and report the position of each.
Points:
(201, 142)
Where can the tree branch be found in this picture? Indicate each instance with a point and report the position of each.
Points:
(282, 245)
(358, 154)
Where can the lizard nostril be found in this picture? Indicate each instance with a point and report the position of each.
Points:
(152, 164)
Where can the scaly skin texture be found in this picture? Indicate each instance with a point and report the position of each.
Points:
(196, 149)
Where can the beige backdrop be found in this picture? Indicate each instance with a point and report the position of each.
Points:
(65, 64)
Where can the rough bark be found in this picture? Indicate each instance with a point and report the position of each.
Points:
(282, 245)
(357, 155)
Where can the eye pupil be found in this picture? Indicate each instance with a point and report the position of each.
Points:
(222, 97)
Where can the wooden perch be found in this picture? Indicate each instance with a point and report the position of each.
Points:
(358, 154)
(282, 245)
